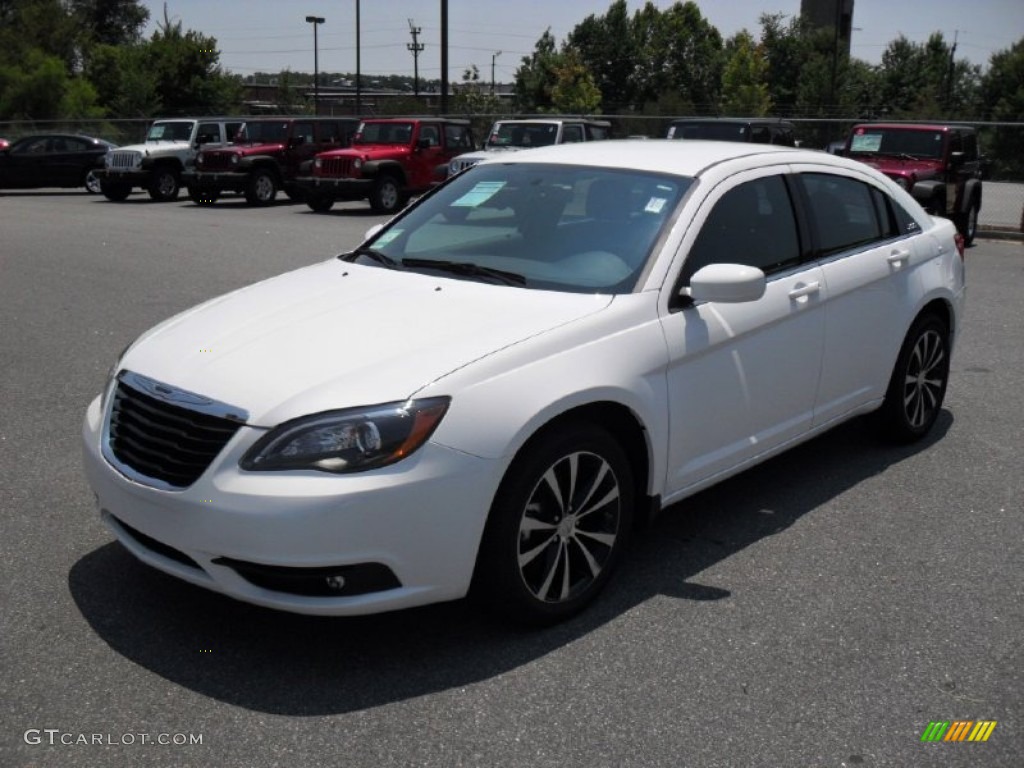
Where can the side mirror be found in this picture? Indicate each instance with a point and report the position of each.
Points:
(728, 283)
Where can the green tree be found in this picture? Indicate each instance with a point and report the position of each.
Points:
(1002, 92)
(536, 76)
(744, 90)
(606, 46)
(574, 91)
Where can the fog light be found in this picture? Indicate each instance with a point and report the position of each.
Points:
(336, 582)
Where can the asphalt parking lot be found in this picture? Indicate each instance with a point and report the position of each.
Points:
(819, 610)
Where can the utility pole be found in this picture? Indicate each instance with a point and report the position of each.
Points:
(415, 46)
(952, 72)
(444, 57)
(494, 55)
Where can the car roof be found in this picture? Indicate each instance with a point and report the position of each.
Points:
(683, 158)
(737, 120)
(915, 126)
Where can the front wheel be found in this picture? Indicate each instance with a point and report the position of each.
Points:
(386, 195)
(262, 189)
(165, 185)
(918, 384)
(558, 526)
(967, 223)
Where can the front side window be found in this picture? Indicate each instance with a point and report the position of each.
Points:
(572, 133)
(751, 224)
(265, 132)
(430, 134)
(384, 133)
(457, 137)
(551, 227)
(843, 211)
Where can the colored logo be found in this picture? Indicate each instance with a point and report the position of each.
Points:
(958, 730)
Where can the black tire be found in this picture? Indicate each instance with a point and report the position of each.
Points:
(203, 197)
(386, 194)
(116, 191)
(557, 527)
(918, 384)
(295, 194)
(262, 187)
(967, 223)
(165, 185)
(319, 203)
(92, 183)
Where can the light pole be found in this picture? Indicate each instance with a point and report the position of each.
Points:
(316, 21)
(494, 55)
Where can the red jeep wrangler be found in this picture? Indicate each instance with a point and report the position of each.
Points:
(938, 164)
(264, 157)
(389, 160)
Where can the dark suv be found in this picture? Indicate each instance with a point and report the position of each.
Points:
(938, 164)
(266, 156)
(757, 130)
(390, 159)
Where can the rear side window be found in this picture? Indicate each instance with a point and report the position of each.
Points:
(751, 224)
(844, 212)
(596, 132)
(572, 133)
(457, 137)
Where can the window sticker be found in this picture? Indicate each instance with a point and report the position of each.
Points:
(387, 237)
(480, 194)
(866, 142)
(655, 205)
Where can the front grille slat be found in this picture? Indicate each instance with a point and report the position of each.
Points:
(162, 440)
(216, 161)
(336, 166)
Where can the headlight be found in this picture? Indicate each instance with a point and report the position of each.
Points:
(234, 159)
(453, 166)
(318, 163)
(357, 163)
(903, 182)
(350, 440)
(110, 381)
(199, 159)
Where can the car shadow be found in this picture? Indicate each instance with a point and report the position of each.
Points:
(288, 664)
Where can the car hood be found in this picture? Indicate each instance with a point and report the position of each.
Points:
(336, 334)
(372, 151)
(892, 165)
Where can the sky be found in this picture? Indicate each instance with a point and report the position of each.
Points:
(272, 35)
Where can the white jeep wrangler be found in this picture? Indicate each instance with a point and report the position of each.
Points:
(156, 165)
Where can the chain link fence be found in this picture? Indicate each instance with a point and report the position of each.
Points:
(1002, 145)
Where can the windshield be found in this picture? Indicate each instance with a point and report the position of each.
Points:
(170, 132)
(709, 131)
(263, 132)
(556, 227)
(384, 133)
(897, 141)
(522, 135)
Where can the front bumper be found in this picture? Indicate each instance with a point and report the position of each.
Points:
(420, 519)
(215, 181)
(137, 177)
(337, 188)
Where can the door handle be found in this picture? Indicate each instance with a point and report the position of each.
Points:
(898, 255)
(807, 289)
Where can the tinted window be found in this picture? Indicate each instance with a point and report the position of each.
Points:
(208, 133)
(761, 135)
(843, 211)
(970, 147)
(231, 130)
(716, 131)
(303, 131)
(596, 132)
(457, 137)
(751, 224)
(430, 134)
(572, 133)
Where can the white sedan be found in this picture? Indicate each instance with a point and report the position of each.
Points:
(492, 391)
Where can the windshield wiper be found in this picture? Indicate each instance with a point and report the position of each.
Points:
(373, 254)
(468, 269)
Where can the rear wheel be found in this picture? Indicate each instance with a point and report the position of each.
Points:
(165, 185)
(115, 190)
(386, 195)
(558, 525)
(92, 183)
(918, 384)
(262, 189)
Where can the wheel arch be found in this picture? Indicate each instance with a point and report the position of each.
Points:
(626, 428)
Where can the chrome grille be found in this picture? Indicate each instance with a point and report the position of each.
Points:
(336, 166)
(163, 441)
(123, 160)
(458, 165)
(215, 161)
